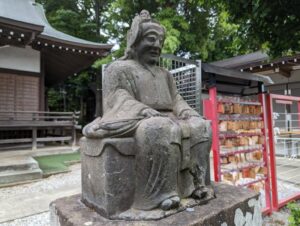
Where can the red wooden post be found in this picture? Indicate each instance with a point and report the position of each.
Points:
(299, 113)
(272, 153)
(215, 132)
(268, 209)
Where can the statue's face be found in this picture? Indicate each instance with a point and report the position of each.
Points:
(148, 49)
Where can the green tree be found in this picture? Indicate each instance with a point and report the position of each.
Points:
(186, 23)
(80, 18)
(274, 24)
(226, 39)
(195, 28)
(199, 29)
(83, 19)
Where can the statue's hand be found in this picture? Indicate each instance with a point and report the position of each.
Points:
(189, 114)
(95, 124)
(90, 128)
(148, 112)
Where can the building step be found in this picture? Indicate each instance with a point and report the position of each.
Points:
(17, 163)
(14, 176)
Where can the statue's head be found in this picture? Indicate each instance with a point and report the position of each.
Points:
(145, 39)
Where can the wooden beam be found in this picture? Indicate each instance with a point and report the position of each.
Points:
(267, 72)
(19, 72)
(12, 141)
(284, 72)
(49, 139)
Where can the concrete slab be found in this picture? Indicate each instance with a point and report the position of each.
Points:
(288, 170)
(233, 206)
(13, 176)
(20, 166)
(18, 163)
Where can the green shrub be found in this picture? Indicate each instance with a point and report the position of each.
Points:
(294, 218)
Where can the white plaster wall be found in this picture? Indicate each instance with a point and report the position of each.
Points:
(24, 59)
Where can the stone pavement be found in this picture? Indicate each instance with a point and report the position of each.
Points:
(288, 170)
(34, 198)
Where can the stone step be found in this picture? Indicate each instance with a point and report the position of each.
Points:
(14, 176)
(18, 163)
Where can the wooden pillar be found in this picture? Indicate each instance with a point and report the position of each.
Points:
(34, 138)
(42, 83)
(74, 130)
(74, 136)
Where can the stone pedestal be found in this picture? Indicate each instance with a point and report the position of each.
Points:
(108, 174)
(233, 207)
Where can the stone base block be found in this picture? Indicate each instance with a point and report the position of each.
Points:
(233, 207)
(108, 175)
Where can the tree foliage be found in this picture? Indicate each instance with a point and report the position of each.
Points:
(274, 24)
(195, 28)
(199, 29)
(80, 18)
(186, 23)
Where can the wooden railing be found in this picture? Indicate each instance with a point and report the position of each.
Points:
(37, 115)
(38, 120)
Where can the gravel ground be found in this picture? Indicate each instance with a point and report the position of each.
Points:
(73, 178)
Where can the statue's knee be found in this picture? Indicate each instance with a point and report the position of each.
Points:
(156, 128)
(156, 124)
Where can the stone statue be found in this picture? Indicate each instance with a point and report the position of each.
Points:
(149, 140)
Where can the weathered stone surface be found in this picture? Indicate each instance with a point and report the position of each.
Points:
(232, 207)
(108, 180)
(150, 150)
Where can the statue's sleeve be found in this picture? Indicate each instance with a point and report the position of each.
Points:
(119, 91)
(179, 104)
(122, 111)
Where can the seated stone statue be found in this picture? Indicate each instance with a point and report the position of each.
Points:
(172, 141)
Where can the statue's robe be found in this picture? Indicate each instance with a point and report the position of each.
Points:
(172, 154)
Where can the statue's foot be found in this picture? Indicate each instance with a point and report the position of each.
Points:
(200, 193)
(210, 192)
(170, 203)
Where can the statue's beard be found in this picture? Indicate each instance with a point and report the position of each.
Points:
(153, 61)
(149, 56)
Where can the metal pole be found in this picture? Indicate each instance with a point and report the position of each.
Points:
(98, 95)
(198, 72)
(103, 75)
